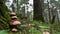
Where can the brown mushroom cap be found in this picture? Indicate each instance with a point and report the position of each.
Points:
(14, 17)
(15, 22)
(14, 29)
(12, 13)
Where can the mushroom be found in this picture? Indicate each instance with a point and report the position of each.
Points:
(15, 22)
(14, 17)
(12, 13)
(14, 30)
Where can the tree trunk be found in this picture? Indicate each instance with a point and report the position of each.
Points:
(38, 4)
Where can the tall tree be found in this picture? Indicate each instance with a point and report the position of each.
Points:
(38, 9)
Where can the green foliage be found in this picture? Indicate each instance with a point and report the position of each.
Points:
(23, 1)
(3, 32)
(4, 16)
(56, 26)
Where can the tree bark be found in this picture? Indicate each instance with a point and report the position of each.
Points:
(38, 4)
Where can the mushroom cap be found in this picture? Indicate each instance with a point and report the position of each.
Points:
(14, 17)
(12, 13)
(14, 29)
(15, 22)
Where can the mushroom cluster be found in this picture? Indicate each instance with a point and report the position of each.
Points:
(14, 21)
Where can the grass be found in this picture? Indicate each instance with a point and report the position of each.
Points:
(3, 32)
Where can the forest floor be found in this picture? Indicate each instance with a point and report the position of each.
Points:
(32, 31)
(43, 26)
